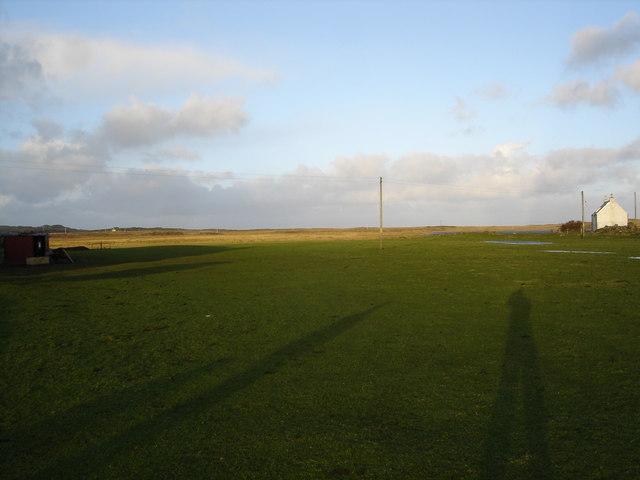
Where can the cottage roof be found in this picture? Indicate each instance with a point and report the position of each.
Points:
(611, 200)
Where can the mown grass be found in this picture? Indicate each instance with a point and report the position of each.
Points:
(441, 357)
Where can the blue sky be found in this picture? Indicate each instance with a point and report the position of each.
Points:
(265, 114)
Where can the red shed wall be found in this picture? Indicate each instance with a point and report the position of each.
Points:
(17, 249)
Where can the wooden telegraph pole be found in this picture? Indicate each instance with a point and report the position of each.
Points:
(380, 213)
(582, 225)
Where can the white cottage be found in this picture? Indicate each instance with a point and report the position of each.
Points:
(609, 214)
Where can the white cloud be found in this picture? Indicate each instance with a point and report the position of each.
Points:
(629, 152)
(473, 130)
(494, 91)
(629, 75)
(4, 201)
(580, 92)
(593, 44)
(20, 73)
(52, 166)
(359, 166)
(509, 149)
(44, 170)
(64, 56)
(426, 167)
(172, 153)
(461, 111)
(74, 64)
(146, 124)
(47, 128)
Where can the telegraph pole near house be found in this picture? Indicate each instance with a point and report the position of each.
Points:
(582, 224)
(380, 213)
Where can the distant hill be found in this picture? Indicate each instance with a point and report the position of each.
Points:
(40, 229)
(63, 229)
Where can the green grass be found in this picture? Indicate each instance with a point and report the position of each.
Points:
(441, 357)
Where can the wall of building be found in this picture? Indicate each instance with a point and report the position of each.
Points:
(15, 249)
(609, 215)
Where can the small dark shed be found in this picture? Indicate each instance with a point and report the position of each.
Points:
(15, 249)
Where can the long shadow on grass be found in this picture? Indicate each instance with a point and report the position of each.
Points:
(5, 309)
(144, 259)
(137, 272)
(118, 256)
(63, 430)
(512, 422)
(100, 455)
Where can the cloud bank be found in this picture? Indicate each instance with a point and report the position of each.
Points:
(420, 188)
(55, 165)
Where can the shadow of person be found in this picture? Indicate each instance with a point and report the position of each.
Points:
(516, 442)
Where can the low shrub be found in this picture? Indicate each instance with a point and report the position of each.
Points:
(571, 226)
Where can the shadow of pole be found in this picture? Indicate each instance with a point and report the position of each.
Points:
(514, 424)
(103, 454)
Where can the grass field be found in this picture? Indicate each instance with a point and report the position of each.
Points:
(437, 357)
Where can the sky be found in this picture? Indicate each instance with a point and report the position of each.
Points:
(286, 114)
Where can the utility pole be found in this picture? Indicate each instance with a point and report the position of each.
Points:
(582, 225)
(380, 213)
(635, 207)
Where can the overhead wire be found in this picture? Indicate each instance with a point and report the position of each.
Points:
(225, 176)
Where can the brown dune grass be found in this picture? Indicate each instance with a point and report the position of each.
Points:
(151, 237)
